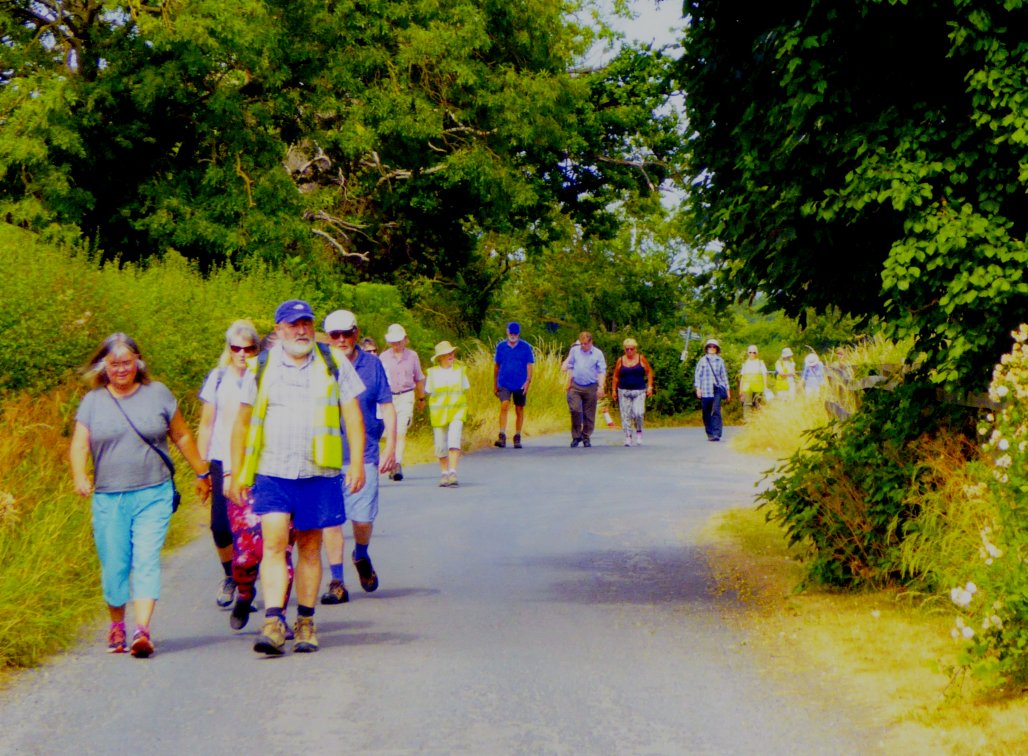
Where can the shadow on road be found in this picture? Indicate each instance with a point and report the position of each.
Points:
(667, 576)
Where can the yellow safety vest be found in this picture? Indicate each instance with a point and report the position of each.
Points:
(328, 438)
(448, 403)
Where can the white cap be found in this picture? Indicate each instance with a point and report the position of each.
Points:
(340, 320)
(395, 333)
(787, 352)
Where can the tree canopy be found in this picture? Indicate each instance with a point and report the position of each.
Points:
(870, 155)
(389, 139)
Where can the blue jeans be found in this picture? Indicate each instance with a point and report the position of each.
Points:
(129, 528)
(712, 416)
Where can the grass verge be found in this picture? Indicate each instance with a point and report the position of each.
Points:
(883, 653)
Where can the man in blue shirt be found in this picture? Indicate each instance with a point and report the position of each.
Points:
(512, 375)
(361, 508)
(587, 375)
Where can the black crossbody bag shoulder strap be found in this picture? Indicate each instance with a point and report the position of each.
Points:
(160, 453)
(713, 373)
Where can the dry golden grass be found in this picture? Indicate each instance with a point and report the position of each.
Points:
(882, 654)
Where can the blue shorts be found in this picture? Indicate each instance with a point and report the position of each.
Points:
(363, 505)
(314, 503)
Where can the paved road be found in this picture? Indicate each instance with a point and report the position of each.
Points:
(554, 604)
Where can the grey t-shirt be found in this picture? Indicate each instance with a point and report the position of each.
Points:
(121, 460)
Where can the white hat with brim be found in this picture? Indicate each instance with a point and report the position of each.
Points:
(442, 349)
(713, 343)
(395, 333)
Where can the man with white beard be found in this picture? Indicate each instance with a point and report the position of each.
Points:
(287, 447)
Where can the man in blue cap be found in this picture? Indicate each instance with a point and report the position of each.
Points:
(512, 375)
(287, 451)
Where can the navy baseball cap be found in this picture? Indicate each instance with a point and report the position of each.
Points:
(292, 310)
(513, 328)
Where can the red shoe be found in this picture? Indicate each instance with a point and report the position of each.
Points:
(142, 646)
(116, 638)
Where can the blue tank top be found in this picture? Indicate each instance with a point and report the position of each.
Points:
(632, 378)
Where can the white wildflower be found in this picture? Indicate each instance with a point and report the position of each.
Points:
(1003, 444)
(1002, 390)
(967, 633)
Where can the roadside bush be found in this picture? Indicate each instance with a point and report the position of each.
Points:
(850, 495)
(993, 602)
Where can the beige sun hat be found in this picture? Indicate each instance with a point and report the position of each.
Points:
(442, 349)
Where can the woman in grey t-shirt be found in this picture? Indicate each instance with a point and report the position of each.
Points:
(131, 485)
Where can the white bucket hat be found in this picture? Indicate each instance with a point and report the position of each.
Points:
(395, 333)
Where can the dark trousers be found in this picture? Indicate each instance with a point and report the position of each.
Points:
(220, 527)
(712, 416)
(582, 404)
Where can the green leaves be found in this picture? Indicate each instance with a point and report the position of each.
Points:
(871, 157)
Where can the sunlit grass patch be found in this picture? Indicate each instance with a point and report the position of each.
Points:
(885, 654)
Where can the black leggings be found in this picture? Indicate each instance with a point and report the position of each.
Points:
(220, 528)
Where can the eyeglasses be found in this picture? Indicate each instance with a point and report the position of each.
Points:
(629, 349)
(342, 334)
(251, 349)
(751, 353)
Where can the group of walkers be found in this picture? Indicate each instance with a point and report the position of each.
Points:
(290, 446)
(755, 385)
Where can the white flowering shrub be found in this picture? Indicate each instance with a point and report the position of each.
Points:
(992, 623)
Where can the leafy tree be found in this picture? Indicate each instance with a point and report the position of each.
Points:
(871, 156)
(377, 139)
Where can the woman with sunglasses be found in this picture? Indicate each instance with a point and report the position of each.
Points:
(220, 397)
(753, 383)
(632, 383)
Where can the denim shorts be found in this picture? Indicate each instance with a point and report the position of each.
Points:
(363, 505)
(314, 503)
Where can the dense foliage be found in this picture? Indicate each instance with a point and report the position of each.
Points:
(870, 155)
(993, 618)
(850, 502)
(386, 140)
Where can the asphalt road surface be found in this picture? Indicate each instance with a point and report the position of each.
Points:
(554, 603)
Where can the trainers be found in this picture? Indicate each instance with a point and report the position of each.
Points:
(240, 614)
(306, 636)
(517, 440)
(575, 442)
(586, 443)
(116, 643)
(452, 479)
(638, 439)
(366, 573)
(501, 442)
(142, 646)
(397, 473)
(272, 640)
(628, 439)
(444, 480)
(336, 593)
(226, 593)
